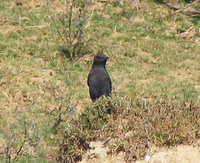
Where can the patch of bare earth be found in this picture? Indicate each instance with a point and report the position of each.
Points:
(178, 154)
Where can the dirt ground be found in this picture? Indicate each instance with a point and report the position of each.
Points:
(178, 154)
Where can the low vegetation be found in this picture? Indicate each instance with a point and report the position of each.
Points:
(131, 127)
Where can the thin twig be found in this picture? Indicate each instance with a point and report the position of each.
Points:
(52, 17)
(183, 9)
(138, 11)
(8, 155)
(15, 159)
(137, 7)
(70, 21)
(87, 25)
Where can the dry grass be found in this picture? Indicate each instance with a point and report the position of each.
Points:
(41, 91)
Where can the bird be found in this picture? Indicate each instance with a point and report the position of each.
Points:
(98, 80)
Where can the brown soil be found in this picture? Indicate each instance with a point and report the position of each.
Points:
(178, 154)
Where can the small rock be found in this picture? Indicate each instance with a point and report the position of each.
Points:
(147, 158)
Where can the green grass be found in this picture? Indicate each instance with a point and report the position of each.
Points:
(44, 95)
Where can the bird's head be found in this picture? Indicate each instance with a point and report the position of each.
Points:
(100, 59)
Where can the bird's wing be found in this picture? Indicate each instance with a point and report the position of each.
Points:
(100, 79)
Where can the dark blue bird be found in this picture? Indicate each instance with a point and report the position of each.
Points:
(99, 81)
